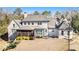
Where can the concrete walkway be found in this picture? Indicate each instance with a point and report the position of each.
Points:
(42, 45)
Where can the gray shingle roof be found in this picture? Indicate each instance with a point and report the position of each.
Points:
(36, 18)
(65, 26)
(51, 23)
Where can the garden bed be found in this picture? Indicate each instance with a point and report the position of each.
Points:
(11, 45)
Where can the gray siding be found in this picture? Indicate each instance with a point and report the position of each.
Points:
(53, 32)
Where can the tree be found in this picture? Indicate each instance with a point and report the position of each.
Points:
(18, 11)
(17, 14)
(58, 13)
(36, 13)
(7, 19)
(66, 13)
(1, 10)
(62, 16)
(75, 23)
(46, 13)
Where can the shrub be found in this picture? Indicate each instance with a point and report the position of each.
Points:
(10, 46)
(24, 38)
(19, 38)
(31, 38)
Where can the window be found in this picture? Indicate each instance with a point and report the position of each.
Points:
(62, 33)
(68, 32)
(28, 23)
(21, 23)
(52, 30)
(39, 23)
(24, 23)
(32, 23)
(45, 30)
(13, 30)
(13, 25)
(18, 33)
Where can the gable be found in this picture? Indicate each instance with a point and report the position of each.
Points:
(14, 24)
(65, 26)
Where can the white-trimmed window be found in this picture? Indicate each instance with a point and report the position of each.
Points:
(28, 23)
(39, 23)
(32, 23)
(24, 23)
(62, 32)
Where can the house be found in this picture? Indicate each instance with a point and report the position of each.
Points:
(64, 29)
(35, 25)
(39, 26)
(52, 31)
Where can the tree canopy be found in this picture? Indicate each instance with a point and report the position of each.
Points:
(46, 13)
(18, 11)
(75, 23)
(36, 13)
(18, 14)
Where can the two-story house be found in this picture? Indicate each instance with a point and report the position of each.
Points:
(35, 25)
(39, 26)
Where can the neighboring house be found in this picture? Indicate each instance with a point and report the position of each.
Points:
(39, 26)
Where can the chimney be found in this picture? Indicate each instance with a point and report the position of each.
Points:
(25, 14)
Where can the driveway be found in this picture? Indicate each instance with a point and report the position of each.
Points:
(42, 45)
(3, 44)
(75, 43)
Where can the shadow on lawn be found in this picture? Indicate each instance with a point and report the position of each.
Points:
(4, 37)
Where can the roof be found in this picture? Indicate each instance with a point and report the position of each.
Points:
(29, 27)
(17, 22)
(51, 23)
(36, 18)
(65, 26)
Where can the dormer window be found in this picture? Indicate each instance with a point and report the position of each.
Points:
(32, 23)
(28, 23)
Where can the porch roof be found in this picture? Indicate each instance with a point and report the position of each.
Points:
(26, 28)
(29, 28)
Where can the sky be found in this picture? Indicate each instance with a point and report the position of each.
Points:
(41, 9)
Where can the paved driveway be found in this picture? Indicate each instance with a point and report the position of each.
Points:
(42, 45)
(75, 43)
(3, 44)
